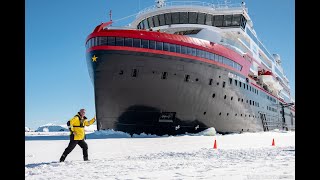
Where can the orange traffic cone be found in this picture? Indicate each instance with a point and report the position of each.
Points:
(215, 144)
(273, 144)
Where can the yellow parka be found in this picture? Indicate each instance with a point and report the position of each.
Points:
(77, 126)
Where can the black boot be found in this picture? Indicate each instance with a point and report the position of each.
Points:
(62, 158)
(85, 158)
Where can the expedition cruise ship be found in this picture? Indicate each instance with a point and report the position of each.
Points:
(184, 67)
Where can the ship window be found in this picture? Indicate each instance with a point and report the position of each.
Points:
(175, 18)
(144, 43)
(119, 41)
(164, 75)
(225, 96)
(184, 17)
(240, 83)
(172, 47)
(210, 81)
(236, 20)
(150, 20)
(220, 114)
(104, 41)
(186, 78)
(139, 26)
(230, 80)
(202, 54)
(96, 41)
(152, 44)
(213, 95)
(167, 18)
(227, 20)
(161, 20)
(136, 43)
(247, 101)
(156, 21)
(223, 84)
(166, 46)
(194, 52)
(250, 102)
(207, 55)
(250, 88)
(211, 56)
(178, 48)
(220, 59)
(247, 87)
(244, 86)
(128, 42)
(217, 83)
(201, 18)
(145, 22)
(159, 45)
(183, 50)
(235, 82)
(243, 22)
(238, 99)
(111, 41)
(231, 98)
(189, 50)
(218, 20)
(241, 100)
(134, 73)
(209, 20)
(193, 17)
(198, 52)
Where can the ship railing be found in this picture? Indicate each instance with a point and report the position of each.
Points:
(194, 3)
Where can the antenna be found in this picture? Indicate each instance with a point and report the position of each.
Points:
(110, 14)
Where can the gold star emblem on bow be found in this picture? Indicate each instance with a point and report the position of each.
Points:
(94, 58)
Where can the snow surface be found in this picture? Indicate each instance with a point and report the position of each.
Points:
(117, 155)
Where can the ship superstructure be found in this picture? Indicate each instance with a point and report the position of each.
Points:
(186, 66)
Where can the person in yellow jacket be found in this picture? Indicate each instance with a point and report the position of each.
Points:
(77, 134)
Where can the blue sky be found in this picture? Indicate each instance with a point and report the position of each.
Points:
(57, 83)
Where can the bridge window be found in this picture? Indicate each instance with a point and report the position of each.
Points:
(161, 20)
(201, 18)
(172, 48)
(175, 18)
(111, 41)
(193, 17)
(159, 45)
(152, 44)
(156, 21)
(119, 41)
(166, 46)
(209, 20)
(144, 43)
(128, 42)
(218, 20)
(183, 50)
(227, 20)
(184, 17)
(136, 43)
(167, 18)
(236, 20)
(150, 20)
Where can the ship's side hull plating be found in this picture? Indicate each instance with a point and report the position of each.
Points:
(139, 92)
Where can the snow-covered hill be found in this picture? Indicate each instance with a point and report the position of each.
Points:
(61, 128)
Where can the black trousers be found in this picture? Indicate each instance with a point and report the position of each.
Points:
(72, 145)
